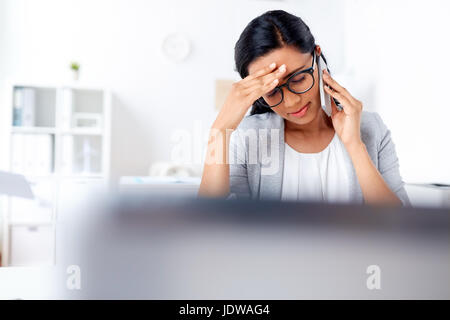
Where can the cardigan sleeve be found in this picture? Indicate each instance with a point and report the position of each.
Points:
(388, 164)
(239, 185)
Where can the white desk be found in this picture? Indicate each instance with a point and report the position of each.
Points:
(187, 186)
(427, 195)
(421, 195)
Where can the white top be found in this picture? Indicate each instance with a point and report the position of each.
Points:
(318, 176)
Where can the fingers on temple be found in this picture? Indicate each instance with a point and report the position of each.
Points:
(261, 72)
(262, 77)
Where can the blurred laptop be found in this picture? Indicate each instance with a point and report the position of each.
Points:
(143, 247)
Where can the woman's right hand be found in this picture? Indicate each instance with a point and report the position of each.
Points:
(216, 173)
(243, 93)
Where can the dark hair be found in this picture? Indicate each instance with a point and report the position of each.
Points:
(271, 30)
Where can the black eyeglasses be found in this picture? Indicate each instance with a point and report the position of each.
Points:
(300, 82)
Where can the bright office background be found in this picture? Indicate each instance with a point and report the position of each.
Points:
(392, 55)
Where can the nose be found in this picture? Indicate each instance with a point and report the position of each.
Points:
(291, 99)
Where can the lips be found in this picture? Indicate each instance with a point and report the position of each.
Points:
(301, 112)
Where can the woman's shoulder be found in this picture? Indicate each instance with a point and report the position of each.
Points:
(373, 129)
(370, 119)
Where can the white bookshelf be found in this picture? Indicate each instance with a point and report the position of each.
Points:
(57, 135)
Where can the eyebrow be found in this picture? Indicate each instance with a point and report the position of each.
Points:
(290, 74)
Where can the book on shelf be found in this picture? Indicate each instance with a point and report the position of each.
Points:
(24, 107)
(32, 154)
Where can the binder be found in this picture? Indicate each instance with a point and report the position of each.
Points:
(28, 107)
(66, 109)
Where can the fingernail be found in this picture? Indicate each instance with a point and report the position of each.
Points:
(283, 68)
(273, 65)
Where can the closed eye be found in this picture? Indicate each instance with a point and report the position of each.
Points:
(299, 80)
(271, 93)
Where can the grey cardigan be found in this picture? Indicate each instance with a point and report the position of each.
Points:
(256, 157)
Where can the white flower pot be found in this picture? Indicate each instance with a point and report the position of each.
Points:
(75, 74)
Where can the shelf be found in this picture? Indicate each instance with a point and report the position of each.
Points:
(59, 138)
(83, 131)
(49, 130)
(38, 177)
(31, 223)
(33, 130)
(59, 132)
(84, 176)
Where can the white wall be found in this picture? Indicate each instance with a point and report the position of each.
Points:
(403, 47)
(118, 43)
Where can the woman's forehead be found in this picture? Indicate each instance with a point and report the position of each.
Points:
(289, 56)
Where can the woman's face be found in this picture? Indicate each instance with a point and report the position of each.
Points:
(297, 108)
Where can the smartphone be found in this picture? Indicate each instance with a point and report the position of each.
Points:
(325, 99)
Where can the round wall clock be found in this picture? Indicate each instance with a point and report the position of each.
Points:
(176, 47)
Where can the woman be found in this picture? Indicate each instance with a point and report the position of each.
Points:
(348, 157)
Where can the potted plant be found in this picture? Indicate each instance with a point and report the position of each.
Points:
(75, 67)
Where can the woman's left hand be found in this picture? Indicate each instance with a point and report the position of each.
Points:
(346, 122)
